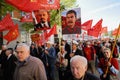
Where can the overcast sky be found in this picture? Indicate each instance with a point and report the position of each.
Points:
(108, 10)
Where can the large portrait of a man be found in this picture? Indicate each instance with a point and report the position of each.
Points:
(71, 21)
(43, 19)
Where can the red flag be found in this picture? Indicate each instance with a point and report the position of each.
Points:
(52, 31)
(12, 34)
(104, 30)
(95, 31)
(50, 4)
(27, 18)
(92, 32)
(43, 38)
(31, 5)
(6, 23)
(115, 32)
(98, 25)
(87, 25)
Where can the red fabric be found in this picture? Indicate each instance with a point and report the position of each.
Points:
(92, 32)
(12, 34)
(64, 24)
(88, 53)
(95, 31)
(115, 32)
(50, 4)
(104, 30)
(44, 38)
(87, 25)
(52, 31)
(98, 25)
(103, 64)
(31, 5)
(26, 18)
(6, 23)
(115, 53)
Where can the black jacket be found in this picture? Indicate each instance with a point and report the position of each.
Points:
(88, 76)
(9, 67)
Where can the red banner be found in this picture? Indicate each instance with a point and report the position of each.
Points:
(12, 34)
(31, 5)
(87, 25)
(95, 31)
(6, 23)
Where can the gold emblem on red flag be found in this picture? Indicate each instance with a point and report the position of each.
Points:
(33, 0)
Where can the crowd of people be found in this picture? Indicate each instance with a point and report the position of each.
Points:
(77, 60)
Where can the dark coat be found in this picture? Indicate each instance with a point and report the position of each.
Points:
(79, 52)
(9, 68)
(40, 27)
(3, 58)
(33, 52)
(88, 76)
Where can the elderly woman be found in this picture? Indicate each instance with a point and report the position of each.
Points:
(79, 67)
(62, 63)
(108, 62)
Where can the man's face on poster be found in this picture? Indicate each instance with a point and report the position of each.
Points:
(43, 15)
(70, 20)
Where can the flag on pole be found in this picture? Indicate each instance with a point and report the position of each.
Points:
(95, 31)
(6, 23)
(114, 32)
(52, 31)
(31, 5)
(12, 34)
(87, 25)
(104, 30)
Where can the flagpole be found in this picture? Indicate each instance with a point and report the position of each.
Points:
(60, 30)
(113, 49)
(33, 15)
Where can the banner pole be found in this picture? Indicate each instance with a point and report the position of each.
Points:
(113, 48)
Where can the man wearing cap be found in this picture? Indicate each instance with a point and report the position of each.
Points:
(10, 64)
(50, 55)
(75, 50)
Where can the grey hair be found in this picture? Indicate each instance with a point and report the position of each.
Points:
(82, 59)
(107, 49)
(24, 45)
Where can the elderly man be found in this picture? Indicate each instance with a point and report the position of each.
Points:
(78, 66)
(50, 55)
(28, 67)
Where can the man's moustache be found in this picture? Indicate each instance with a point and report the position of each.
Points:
(70, 22)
